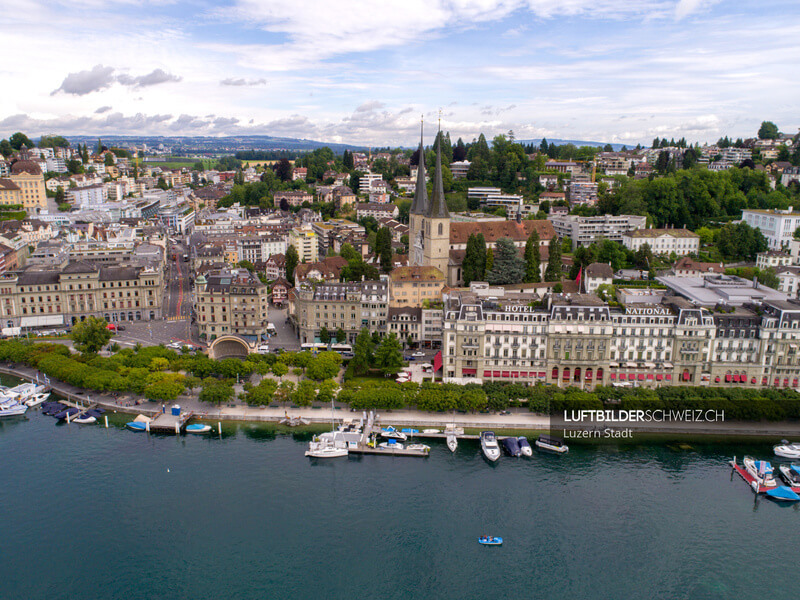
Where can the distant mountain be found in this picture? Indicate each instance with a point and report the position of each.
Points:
(616, 147)
(227, 144)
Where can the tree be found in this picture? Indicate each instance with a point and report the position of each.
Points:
(305, 393)
(261, 394)
(508, 267)
(60, 197)
(768, 131)
(349, 253)
(643, 257)
(389, 355)
(553, 271)
(474, 263)
(489, 265)
(108, 160)
(279, 369)
(5, 148)
(362, 352)
(341, 336)
(90, 335)
(324, 335)
(283, 393)
(19, 139)
(246, 264)
(216, 391)
(383, 248)
(459, 151)
(283, 170)
(324, 366)
(292, 259)
(532, 258)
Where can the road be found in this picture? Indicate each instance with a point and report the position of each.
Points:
(177, 292)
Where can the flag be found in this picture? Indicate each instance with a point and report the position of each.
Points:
(578, 279)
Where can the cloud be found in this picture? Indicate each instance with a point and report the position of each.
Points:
(687, 7)
(102, 109)
(86, 82)
(370, 106)
(156, 77)
(243, 82)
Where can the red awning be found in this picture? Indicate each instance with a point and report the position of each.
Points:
(649, 375)
(487, 373)
(496, 374)
(659, 377)
(437, 361)
(728, 378)
(506, 374)
(542, 374)
(794, 382)
(622, 375)
(641, 376)
(469, 371)
(515, 373)
(668, 376)
(716, 379)
(686, 376)
(785, 381)
(752, 380)
(777, 382)
(588, 374)
(763, 380)
(613, 376)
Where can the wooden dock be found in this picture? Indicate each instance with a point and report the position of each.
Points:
(166, 422)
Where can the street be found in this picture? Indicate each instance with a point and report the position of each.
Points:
(177, 289)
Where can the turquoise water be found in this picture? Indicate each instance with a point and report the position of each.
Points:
(103, 513)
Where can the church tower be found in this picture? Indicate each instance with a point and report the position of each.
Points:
(436, 222)
(416, 238)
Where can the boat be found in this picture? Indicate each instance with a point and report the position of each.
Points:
(391, 444)
(11, 408)
(198, 428)
(392, 434)
(136, 426)
(409, 431)
(85, 419)
(790, 474)
(524, 446)
(787, 450)
(761, 471)
(451, 428)
(332, 445)
(294, 421)
(783, 494)
(52, 408)
(551, 444)
(67, 414)
(429, 431)
(489, 445)
(37, 399)
(490, 540)
(419, 448)
(511, 445)
(452, 442)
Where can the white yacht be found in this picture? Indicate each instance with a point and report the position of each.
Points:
(326, 448)
(489, 445)
(761, 471)
(9, 407)
(524, 446)
(551, 444)
(37, 399)
(787, 450)
(452, 442)
(393, 434)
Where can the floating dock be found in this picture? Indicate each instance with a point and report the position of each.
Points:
(169, 423)
(751, 481)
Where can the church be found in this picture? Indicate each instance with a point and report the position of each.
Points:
(435, 241)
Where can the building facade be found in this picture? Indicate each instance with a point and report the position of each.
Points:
(231, 302)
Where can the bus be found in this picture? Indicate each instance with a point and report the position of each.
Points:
(313, 347)
(342, 348)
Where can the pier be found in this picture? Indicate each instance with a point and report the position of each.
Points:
(166, 422)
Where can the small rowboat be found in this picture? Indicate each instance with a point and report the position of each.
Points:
(490, 540)
(198, 428)
(431, 431)
(136, 426)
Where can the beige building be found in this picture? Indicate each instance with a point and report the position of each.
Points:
(411, 286)
(41, 296)
(28, 177)
(306, 244)
(663, 241)
(9, 192)
(231, 302)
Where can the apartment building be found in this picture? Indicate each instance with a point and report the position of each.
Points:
(663, 241)
(778, 226)
(231, 301)
(584, 231)
(305, 242)
(415, 285)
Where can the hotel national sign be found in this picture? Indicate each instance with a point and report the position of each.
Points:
(648, 311)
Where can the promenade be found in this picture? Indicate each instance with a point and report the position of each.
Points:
(516, 419)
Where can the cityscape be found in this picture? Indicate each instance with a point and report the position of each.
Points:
(516, 304)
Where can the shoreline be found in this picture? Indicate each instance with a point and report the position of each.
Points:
(516, 421)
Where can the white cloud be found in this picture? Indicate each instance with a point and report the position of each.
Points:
(243, 82)
(86, 82)
(154, 78)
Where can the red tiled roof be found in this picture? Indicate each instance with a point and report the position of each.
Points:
(494, 230)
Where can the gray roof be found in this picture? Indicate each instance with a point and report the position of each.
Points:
(420, 204)
(437, 209)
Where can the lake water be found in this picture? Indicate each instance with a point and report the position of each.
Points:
(99, 513)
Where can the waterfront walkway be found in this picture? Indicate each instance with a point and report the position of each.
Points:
(520, 419)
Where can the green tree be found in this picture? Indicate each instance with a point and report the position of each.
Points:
(216, 391)
(532, 258)
(5, 148)
(261, 394)
(108, 160)
(90, 335)
(489, 265)
(383, 248)
(305, 393)
(280, 369)
(768, 131)
(389, 355)
(283, 393)
(19, 139)
(474, 264)
(341, 336)
(553, 271)
(292, 259)
(324, 366)
(362, 352)
(349, 253)
(324, 335)
(508, 268)
(164, 390)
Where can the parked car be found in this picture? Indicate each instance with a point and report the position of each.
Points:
(120, 327)
(418, 354)
(111, 327)
(263, 349)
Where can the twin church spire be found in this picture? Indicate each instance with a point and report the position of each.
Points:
(436, 207)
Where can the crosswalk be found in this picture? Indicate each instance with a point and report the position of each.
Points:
(175, 319)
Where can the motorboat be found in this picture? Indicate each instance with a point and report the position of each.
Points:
(391, 433)
(783, 494)
(761, 471)
(37, 399)
(198, 428)
(52, 408)
(11, 408)
(391, 444)
(429, 431)
(489, 446)
(490, 540)
(551, 444)
(294, 421)
(67, 414)
(419, 448)
(85, 419)
(325, 448)
(409, 432)
(787, 450)
(790, 474)
(524, 446)
(24, 391)
(452, 442)
(136, 426)
(511, 445)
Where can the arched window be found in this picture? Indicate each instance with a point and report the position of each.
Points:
(441, 228)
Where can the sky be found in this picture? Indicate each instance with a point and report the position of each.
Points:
(366, 72)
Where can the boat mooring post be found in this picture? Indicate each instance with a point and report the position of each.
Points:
(106, 418)
(219, 427)
(147, 426)
(177, 428)
(68, 421)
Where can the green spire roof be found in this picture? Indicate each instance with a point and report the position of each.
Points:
(420, 204)
(438, 206)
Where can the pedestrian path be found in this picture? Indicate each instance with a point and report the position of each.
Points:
(175, 319)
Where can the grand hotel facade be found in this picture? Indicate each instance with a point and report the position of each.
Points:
(578, 340)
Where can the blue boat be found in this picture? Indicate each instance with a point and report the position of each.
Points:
(410, 431)
(198, 428)
(490, 540)
(511, 445)
(783, 494)
(136, 426)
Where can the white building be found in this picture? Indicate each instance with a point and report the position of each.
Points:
(584, 231)
(789, 278)
(305, 242)
(460, 168)
(88, 197)
(778, 226)
(597, 274)
(663, 241)
(773, 259)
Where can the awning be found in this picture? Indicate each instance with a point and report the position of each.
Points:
(659, 377)
(487, 373)
(469, 371)
(667, 365)
(613, 364)
(650, 365)
(641, 376)
(437, 361)
(631, 365)
(613, 376)
(42, 321)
